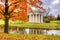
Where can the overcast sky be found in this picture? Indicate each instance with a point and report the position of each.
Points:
(54, 5)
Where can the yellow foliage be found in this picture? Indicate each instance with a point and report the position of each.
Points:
(4, 36)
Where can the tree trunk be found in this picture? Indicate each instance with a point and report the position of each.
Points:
(6, 24)
(6, 17)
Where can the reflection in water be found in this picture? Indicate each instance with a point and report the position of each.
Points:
(35, 31)
(55, 32)
(27, 31)
(50, 32)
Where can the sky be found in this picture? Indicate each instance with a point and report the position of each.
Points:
(54, 6)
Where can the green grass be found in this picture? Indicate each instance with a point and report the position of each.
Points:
(52, 25)
(2, 22)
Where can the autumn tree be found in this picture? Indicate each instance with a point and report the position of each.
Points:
(18, 10)
(13, 9)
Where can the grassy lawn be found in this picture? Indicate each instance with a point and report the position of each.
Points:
(51, 25)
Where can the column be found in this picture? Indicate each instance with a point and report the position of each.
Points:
(29, 18)
(33, 19)
(36, 18)
(41, 18)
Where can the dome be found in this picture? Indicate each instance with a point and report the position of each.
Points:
(35, 9)
(38, 10)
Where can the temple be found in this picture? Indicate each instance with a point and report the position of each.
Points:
(37, 17)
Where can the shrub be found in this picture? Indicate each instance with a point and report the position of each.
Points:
(46, 20)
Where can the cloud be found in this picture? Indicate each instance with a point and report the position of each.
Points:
(55, 2)
(54, 5)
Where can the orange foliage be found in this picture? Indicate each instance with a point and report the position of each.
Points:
(1, 16)
(21, 7)
(18, 8)
(11, 8)
(17, 11)
(2, 9)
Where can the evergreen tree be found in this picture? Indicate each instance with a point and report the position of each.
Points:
(58, 18)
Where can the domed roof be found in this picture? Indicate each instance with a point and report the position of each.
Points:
(37, 10)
